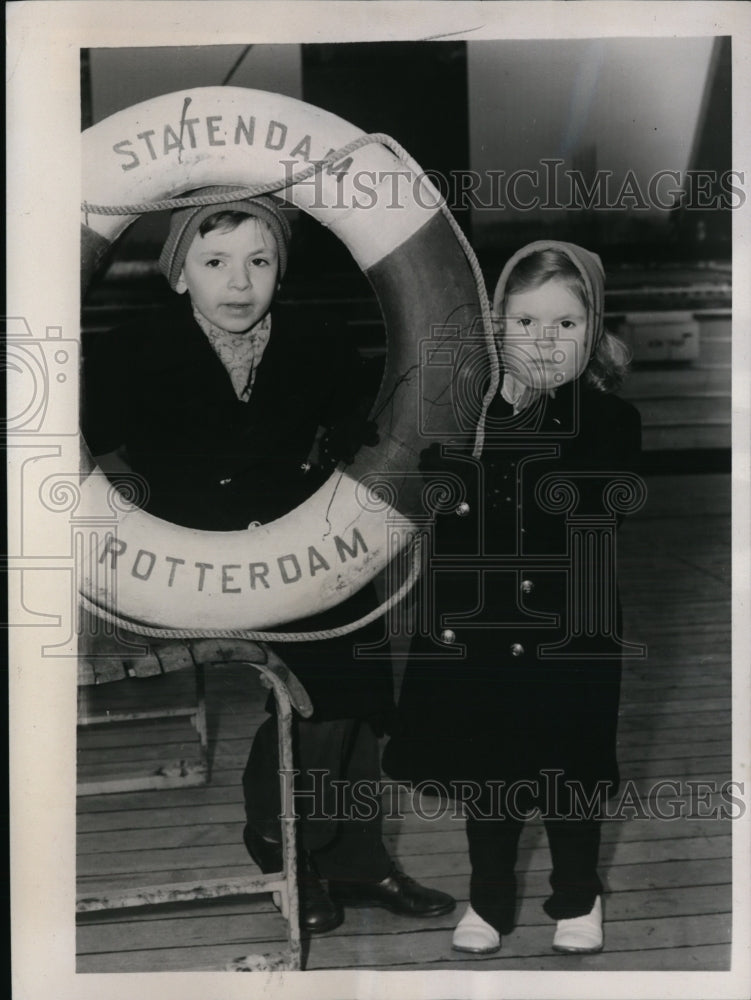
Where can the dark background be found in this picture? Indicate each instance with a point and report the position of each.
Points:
(455, 106)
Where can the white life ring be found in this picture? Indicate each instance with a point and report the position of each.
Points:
(325, 550)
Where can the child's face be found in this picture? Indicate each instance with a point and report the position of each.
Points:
(231, 275)
(545, 335)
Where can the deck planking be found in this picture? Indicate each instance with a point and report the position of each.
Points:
(668, 883)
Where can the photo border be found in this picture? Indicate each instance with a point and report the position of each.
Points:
(43, 128)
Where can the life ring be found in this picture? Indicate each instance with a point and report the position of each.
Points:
(328, 548)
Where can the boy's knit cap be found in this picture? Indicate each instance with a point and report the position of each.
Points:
(185, 223)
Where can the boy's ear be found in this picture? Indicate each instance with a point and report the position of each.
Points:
(181, 286)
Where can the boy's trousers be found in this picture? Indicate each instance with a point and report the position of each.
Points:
(336, 795)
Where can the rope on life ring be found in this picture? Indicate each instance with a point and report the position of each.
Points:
(366, 534)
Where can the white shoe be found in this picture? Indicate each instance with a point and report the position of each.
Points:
(473, 934)
(580, 935)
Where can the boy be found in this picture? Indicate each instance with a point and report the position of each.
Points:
(221, 408)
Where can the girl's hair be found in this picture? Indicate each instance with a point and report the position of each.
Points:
(229, 220)
(544, 265)
(608, 363)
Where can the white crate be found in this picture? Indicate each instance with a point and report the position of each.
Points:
(661, 336)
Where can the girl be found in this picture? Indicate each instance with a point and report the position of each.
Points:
(526, 721)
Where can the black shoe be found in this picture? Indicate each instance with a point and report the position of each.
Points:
(318, 912)
(397, 892)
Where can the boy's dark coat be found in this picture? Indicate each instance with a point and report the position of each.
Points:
(213, 462)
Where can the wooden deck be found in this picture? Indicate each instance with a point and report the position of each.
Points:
(668, 903)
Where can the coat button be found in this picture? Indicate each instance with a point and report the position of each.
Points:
(463, 509)
(225, 482)
(517, 649)
(527, 586)
(448, 636)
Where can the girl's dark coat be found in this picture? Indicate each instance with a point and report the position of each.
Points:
(502, 711)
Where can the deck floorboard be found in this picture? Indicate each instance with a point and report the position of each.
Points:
(668, 902)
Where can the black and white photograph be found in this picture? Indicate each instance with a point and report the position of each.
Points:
(378, 508)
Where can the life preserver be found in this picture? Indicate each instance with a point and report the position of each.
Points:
(387, 215)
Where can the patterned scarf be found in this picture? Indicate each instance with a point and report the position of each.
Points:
(240, 353)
